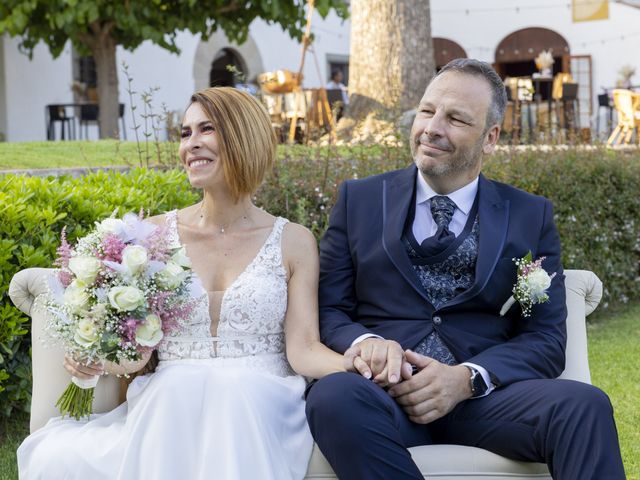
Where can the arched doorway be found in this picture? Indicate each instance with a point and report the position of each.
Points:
(445, 50)
(515, 54)
(207, 53)
(227, 69)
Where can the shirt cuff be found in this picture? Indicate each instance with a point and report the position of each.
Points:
(485, 376)
(363, 337)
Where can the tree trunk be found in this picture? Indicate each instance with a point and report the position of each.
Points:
(391, 57)
(104, 53)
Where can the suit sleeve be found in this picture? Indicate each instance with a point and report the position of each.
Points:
(337, 297)
(537, 350)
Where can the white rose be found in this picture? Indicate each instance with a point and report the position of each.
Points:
(134, 257)
(76, 297)
(111, 225)
(538, 281)
(149, 333)
(125, 299)
(85, 268)
(171, 277)
(181, 258)
(86, 333)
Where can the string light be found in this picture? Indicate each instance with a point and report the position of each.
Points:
(517, 8)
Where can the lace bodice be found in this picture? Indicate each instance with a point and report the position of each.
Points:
(252, 312)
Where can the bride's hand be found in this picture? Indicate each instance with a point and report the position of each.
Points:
(354, 363)
(81, 370)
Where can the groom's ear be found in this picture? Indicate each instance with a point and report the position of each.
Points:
(491, 139)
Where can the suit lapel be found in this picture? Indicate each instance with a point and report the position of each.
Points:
(493, 215)
(397, 195)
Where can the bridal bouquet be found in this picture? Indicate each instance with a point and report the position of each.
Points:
(116, 293)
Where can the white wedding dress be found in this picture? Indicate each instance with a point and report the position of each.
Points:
(226, 407)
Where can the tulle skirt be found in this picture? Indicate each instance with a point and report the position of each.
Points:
(191, 419)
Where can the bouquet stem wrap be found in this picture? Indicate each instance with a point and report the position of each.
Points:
(77, 399)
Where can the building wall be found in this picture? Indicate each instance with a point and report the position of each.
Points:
(28, 90)
(30, 85)
(3, 97)
(611, 43)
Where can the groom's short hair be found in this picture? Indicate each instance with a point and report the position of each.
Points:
(471, 66)
(246, 140)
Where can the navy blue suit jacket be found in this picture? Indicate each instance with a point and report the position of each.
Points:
(368, 285)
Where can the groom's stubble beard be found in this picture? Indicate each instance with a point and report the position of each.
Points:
(462, 160)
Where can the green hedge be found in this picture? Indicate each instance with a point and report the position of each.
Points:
(595, 192)
(33, 211)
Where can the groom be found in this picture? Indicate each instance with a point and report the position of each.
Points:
(415, 268)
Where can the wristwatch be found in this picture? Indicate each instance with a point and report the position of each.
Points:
(478, 385)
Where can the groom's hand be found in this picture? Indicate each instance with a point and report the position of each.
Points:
(384, 359)
(433, 391)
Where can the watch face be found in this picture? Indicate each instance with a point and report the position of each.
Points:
(478, 386)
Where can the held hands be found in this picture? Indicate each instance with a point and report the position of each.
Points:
(433, 391)
(81, 370)
(379, 359)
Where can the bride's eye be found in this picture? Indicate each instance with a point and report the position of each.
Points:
(208, 128)
(185, 133)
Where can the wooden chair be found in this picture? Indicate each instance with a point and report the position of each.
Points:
(627, 106)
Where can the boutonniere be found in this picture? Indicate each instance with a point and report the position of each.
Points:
(531, 285)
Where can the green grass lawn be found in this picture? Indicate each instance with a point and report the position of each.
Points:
(614, 355)
(32, 155)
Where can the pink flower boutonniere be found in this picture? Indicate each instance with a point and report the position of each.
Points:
(531, 285)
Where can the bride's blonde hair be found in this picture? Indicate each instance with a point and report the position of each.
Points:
(246, 140)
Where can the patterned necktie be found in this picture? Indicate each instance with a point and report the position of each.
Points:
(442, 209)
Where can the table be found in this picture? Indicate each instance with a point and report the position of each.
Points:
(87, 112)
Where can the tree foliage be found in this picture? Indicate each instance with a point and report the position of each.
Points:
(130, 22)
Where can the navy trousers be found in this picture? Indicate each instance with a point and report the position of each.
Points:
(566, 424)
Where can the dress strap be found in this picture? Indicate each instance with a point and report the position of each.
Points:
(271, 252)
(171, 219)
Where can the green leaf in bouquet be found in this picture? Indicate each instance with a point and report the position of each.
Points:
(109, 343)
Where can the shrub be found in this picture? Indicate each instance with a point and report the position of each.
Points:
(595, 193)
(33, 211)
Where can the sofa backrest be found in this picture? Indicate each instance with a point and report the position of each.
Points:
(584, 291)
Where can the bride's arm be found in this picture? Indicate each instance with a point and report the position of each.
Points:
(306, 354)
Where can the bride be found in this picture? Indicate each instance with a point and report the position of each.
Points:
(224, 401)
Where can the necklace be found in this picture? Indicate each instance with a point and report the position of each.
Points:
(224, 227)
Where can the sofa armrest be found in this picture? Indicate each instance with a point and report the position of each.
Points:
(584, 291)
(49, 376)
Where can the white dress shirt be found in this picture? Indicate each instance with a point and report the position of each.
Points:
(424, 227)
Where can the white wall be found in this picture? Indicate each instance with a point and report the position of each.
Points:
(279, 51)
(32, 84)
(151, 66)
(3, 99)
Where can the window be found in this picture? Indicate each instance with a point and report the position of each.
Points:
(338, 62)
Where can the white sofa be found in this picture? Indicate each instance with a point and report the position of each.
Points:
(442, 462)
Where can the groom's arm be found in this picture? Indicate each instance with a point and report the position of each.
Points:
(336, 295)
(537, 350)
